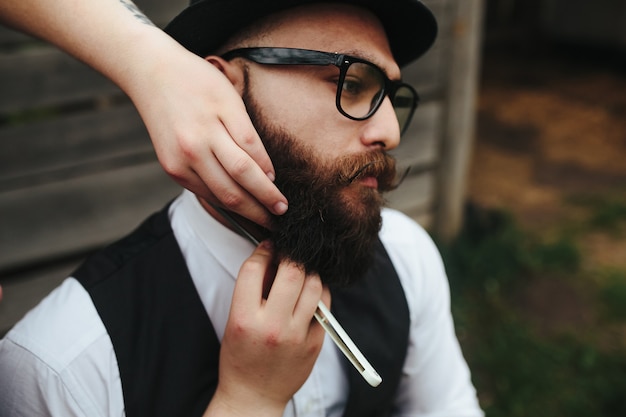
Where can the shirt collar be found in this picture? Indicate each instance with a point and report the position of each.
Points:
(229, 248)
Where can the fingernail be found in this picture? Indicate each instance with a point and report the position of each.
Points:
(271, 176)
(280, 207)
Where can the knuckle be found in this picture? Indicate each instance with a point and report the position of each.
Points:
(313, 348)
(171, 165)
(230, 198)
(248, 139)
(238, 327)
(178, 176)
(273, 337)
(241, 166)
(277, 336)
(187, 147)
(181, 176)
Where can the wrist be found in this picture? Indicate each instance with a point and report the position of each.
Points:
(137, 55)
(150, 63)
(241, 404)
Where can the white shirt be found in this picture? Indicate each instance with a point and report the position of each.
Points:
(59, 360)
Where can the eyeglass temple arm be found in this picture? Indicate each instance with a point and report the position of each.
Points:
(285, 56)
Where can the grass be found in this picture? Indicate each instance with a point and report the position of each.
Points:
(613, 296)
(518, 370)
(607, 213)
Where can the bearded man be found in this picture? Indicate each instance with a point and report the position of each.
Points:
(186, 317)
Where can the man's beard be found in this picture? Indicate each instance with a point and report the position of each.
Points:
(333, 221)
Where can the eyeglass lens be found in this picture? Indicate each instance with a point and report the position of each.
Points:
(363, 90)
(404, 103)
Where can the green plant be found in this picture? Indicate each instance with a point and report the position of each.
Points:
(607, 213)
(517, 371)
(613, 295)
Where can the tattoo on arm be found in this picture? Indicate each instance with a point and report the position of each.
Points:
(136, 12)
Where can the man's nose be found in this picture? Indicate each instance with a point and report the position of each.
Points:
(382, 129)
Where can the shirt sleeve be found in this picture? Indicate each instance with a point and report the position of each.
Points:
(29, 387)
(436, 380)
(59, 361)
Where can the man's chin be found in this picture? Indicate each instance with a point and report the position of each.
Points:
(336, 241)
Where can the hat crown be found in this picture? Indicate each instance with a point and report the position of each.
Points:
(206, 24)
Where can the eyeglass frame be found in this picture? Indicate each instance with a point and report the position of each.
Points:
(297, 56)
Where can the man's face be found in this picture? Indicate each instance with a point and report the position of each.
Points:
(334, 214)
(301, 99)
(331, 169)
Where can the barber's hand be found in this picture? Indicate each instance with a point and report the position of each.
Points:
(202, 134)
(270, 345)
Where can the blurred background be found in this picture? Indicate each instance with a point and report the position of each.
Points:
(518, 170)
(538, 274)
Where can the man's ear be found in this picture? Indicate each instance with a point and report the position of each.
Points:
(232, 71)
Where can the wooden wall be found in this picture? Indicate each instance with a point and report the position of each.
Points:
(77, 169)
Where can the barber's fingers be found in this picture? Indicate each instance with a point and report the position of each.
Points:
(227, 193)
(238, 182)
(286, 289)
(248, 162)
(225, 175)
(293, 294)
(252, 275)
(203, 136)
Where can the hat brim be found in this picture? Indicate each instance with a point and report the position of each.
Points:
(205, 25)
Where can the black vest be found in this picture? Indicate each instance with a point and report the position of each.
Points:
(167, 350)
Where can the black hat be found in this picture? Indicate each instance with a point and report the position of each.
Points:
(207, 24)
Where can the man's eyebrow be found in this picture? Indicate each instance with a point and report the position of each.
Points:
(361, 54)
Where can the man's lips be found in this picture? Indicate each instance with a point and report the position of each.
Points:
(374, 173)
(370, 182)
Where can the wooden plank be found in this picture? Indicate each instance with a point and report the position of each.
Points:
(159, 11)
(420, 144)
(416, 195)
(54, 220)
(83, 142)
(45, 77)
(23, 290)
(457, 137)
(425, 74)
(10, 37)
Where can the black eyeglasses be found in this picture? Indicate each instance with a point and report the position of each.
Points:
(361, 87)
